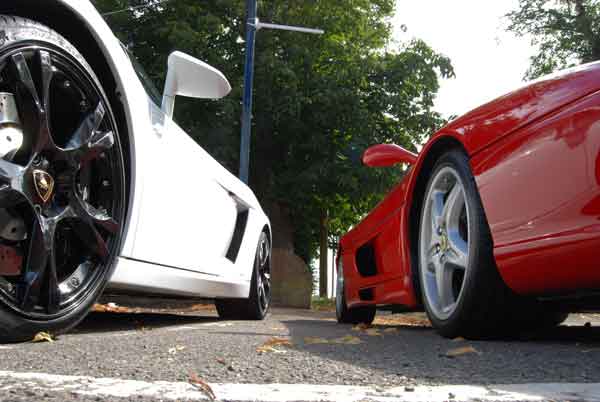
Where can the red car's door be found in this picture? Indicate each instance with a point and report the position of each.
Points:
(540, 188)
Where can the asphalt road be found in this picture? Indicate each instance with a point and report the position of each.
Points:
(294, 347)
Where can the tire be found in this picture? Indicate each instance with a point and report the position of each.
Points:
(257, 306)
(66, 207)
(463, 293)
(345, 315)
(534, 316)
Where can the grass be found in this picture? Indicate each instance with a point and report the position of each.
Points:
(323, 304)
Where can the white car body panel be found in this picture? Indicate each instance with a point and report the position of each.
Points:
(183, 204)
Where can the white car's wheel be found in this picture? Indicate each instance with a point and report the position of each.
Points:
(62, 185)
(259, 303)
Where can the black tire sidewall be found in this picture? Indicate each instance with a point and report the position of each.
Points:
(258, 312)
(481, 270)
(13, 326)
(248, 309)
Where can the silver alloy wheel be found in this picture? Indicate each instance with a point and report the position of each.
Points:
(444, 243)
(339, 288)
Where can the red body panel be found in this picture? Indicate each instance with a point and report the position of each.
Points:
(541, 191)
(507, 114)
(535, 154)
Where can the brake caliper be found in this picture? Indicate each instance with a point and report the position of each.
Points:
(11, 261)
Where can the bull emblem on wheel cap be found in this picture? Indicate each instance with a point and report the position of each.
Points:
(44, 184)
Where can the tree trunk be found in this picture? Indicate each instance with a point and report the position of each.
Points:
(281, 225)
(323, 255)
(291, 278)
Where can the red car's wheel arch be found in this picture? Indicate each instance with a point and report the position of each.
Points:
(422, 170)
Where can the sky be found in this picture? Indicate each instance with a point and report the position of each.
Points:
(488, 61)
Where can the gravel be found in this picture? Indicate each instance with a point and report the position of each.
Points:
(405, 352)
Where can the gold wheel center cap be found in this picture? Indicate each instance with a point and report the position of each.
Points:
(44, 184)
(444, 242)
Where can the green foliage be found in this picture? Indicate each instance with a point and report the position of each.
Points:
(567, 32)
(319, 100)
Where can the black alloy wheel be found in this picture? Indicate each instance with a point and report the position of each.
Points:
(257, 306)
(62, 191)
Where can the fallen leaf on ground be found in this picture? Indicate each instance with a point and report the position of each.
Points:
(461, 351)
(178, 348)
(42, 337)
(202, 386)
(361, 327)
(405, 320)
(347, 340)
(373, 332)
(110, 308)
(390, 330)
(222, 361)
(270, 345)
(311, 340)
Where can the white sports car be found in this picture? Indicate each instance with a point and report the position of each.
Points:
(99, 188)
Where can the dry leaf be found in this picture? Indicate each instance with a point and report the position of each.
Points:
(222, 361)
(390, 330)
(373, 332)
(42, 337)
(178, 348)
(311, 340)
(361, 327)
(202, 386)
(404, 320)
(110, 308)
(461, 351)
(270, 345)
(347, 340)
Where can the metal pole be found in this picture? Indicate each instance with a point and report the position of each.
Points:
(248, 85)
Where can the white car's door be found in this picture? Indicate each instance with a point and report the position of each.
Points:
(187, 219)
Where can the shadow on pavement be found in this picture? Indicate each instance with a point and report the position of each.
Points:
(414, 351)
(112, 322)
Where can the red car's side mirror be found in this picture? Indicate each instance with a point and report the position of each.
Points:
(383, 155)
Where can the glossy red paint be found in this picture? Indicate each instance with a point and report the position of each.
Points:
(384, 155)
(507, 114)
(536, 159)
(541, 192)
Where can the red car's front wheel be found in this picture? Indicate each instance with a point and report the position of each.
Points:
(463, 292)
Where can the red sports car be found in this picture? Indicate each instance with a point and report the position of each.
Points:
(496, 223)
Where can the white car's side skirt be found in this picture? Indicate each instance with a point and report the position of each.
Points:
(138, 276)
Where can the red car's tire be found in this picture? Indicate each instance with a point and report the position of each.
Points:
(344, 315)
(475, 300)
(482, 305)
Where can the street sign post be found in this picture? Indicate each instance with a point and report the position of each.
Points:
(254, 25)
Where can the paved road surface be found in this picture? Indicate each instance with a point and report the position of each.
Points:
(399, 356)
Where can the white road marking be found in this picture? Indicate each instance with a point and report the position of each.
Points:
(114, 387)
(199, 326)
